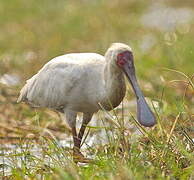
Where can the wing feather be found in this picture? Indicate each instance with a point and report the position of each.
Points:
(50, 86)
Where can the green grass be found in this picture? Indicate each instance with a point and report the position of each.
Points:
(33, 32)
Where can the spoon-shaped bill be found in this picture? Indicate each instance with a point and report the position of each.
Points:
(144, 114)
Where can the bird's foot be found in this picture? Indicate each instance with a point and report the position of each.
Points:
(79, 157)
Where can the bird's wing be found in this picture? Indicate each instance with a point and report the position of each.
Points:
(51, 84)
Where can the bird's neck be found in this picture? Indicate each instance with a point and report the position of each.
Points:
(114, 86)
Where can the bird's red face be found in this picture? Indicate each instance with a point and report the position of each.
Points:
(126, 63)
(123, 58)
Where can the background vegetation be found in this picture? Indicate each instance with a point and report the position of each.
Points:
(161, 36)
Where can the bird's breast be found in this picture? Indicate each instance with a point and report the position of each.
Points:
(114, 93)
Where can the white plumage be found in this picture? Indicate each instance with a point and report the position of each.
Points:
(79, 82)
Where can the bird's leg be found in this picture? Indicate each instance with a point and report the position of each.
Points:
(86, 119)
(76, 148)
(71, 120)
(78, 156)
(77, 138)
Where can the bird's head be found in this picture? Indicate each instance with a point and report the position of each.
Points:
(121, 57)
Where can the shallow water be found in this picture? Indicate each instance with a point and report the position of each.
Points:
(29, 152)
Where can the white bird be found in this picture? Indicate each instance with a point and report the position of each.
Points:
(86, 82)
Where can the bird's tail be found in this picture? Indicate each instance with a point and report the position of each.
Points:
(23, 94)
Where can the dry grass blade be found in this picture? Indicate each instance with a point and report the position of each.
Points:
(143, 130)
(109, 115)
(183, 74)
(187, 136)
(169, 136)
(173, 127)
